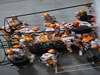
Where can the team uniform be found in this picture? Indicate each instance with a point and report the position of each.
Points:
(49, 57)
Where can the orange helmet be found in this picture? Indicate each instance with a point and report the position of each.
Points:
(51, 51)
(43, 37)
(87, 38)
(27, 38)
(14, 17)
(35, 29)
(45, 14)
(16, 46)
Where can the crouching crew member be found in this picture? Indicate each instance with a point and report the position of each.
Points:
(49, 58)
(17, 56)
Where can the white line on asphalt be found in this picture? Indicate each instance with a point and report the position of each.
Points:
(76, 65)
(78, 69)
